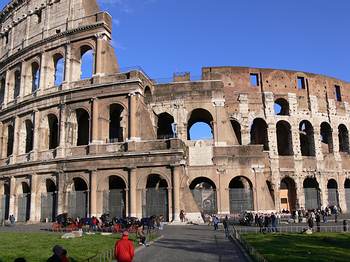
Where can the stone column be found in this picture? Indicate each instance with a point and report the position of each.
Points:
(317, 139)
(223, 195)
(342, 200)
(132, 191)
(272, 138)
(258, 172)
(62, 131)
(43, 84)
(35, 207)
(219, 126)
(15, 139)
(99, 70)
(93, 193)
(68, 67)
(133, 119)
(296, 141)
(300, 193)
(61, 193)
(36, 142)
(176, 173)
(335, 139)
(13, 204)
(94, 121)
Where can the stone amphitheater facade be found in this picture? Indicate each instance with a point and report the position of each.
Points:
(119, 142)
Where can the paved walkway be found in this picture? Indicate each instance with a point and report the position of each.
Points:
(190, 243)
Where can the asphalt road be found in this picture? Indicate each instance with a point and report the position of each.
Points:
(190, 243)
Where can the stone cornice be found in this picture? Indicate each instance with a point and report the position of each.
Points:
(7, 60)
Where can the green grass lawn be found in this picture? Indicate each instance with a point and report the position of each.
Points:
(300, 247)
(38, 246)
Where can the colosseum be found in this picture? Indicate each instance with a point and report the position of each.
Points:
(78, 135)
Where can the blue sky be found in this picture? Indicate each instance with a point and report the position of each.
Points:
(167, 36)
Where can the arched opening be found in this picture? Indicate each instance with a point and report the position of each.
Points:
(165, 126)
(343, 135)
(49, 201)
(326, 138)
(115, 128)
(333, 197)
(53, 131)
(237, 130)
(87, 62)
(35, 76)
(241, 195)
(312, 193)
(258, 133)
(200, 125)
(29, 135)
(204, 193)
(10, 140)
(23, 203)
(5, 201)
(58, 62)
(307, 141)
(156, 196)
(17, 83)
(284, 138)
(78, 199)
(115, 198)
(347, 194)
(148, 94)
(83, 121)
(281, 107)
(2, 90)
(288, 194)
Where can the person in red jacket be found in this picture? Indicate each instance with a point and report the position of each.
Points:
(124, 249)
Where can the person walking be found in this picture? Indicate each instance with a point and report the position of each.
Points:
(274, 222)
(124, 249)
(318, 221)
(216, 223)
(225, 223)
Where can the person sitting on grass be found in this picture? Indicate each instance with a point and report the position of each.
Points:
(57, 253)
(141, 235)
(124, 249)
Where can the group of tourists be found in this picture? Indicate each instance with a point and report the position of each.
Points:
(324, 213)
(267, 222)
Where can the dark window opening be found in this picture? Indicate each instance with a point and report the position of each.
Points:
(165, 126)
(10, 140)
(343, 136)
(156, 181)
(6, 38)
(29, 135)
(326, 138)
(281, 107)
(39, 16)
(254, 79)
(147, 94)
(237, 130)
(53, 131)
(35, 77)
(50, 186)
(258, 133)
(202, 183)
(2, 91)
(301, 82)
(284, 138)
(83, 121)
(17, 86)
(337, 93)
(79, 184)
(115, 128)
(307, 141)
(116, 182)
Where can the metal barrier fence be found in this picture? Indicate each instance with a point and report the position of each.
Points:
(251, 250)
(294, 229)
